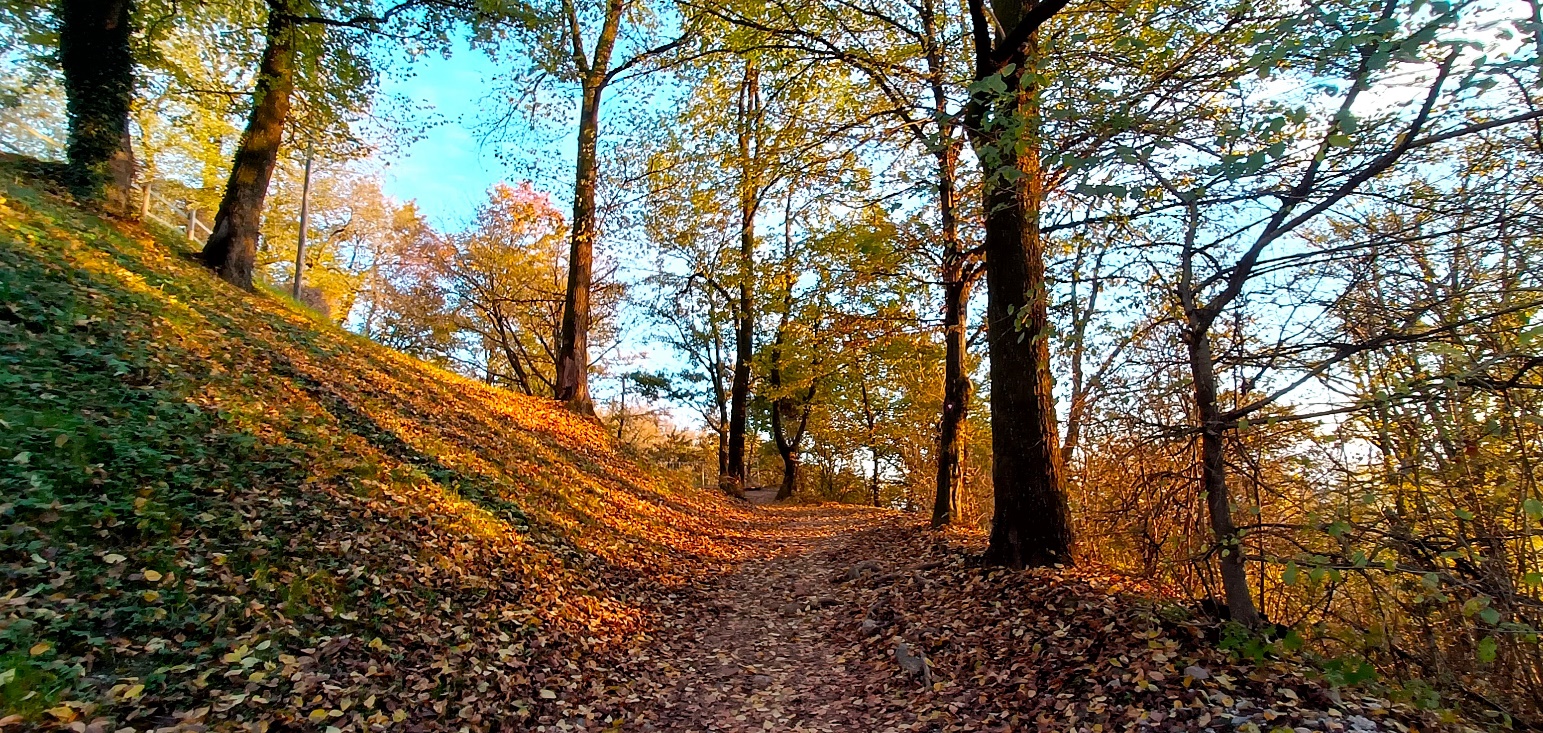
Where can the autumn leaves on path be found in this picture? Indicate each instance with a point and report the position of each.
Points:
(856, 619)
(759, 654)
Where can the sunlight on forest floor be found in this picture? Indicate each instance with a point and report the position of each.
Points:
(222, 514)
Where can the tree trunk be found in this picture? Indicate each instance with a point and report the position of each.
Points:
(748, 117)
(785, 406)
(739, 390)
(956, 282)
(787, 449)
(723, 453)
(956, 379)
(573, 350)
(1031, 525)
(98, 66)
(1240, 602)
(956, 399)
(873, 476)
(232, 247)
(720, 403)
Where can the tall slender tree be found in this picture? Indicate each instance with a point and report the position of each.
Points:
(594, 69)
(751, 188)
(231, 250)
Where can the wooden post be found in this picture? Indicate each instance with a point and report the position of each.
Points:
(305, 211)
(144, 204)
(192, 222)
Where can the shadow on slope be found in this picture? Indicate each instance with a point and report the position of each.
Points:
(215, 511)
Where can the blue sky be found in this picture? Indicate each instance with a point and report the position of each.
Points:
(449, 169)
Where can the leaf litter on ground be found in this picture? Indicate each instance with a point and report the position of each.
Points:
(219, 514)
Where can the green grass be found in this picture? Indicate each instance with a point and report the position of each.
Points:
(201, 488)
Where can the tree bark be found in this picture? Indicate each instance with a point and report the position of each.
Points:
(98, 65)
(748, 118)
(786, 406)
(573, 350)
(739, 388)
(956, 281)
(787, 449)
(1213, 461)
(232, 247)
(956, 396)
(1031, 524)
(956, 377)
(873, 477)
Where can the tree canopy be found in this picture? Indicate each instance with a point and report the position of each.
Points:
(1240, 298)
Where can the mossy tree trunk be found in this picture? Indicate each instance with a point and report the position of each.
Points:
(98, 64)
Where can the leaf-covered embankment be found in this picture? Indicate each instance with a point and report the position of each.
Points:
(216, 510)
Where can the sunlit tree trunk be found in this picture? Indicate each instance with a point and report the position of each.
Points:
(571, 381)
(573, 350)
(98, 66)
(1031, 524)
(232, 247)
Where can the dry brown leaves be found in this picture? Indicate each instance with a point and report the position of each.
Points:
(393, 547)
(805, 639)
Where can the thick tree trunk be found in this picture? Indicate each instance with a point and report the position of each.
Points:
(232, 247)
(1031, 525)
(98, 66)
(1229, 544)
(573, 350)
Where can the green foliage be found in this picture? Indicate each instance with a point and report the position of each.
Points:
(99, 451)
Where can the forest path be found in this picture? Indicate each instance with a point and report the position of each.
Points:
(759, 652)
(807, 638)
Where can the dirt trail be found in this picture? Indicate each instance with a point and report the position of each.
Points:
(805, 639)
(760, 653)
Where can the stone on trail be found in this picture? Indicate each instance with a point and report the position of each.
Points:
(864, 567)
(914, 663)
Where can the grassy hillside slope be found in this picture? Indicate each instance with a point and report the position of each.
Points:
(216, 511)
